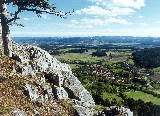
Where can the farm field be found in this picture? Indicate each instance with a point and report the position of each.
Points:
(87, 57)
(109, 70)
(156, 91)
(156, 71)
(121, 63)
(143, 96)
(71, 58)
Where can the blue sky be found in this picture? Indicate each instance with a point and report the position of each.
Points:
(94, 18)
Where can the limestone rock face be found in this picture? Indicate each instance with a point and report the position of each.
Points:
(49, 94)
(17, 112)
(122, 111)
(65, 85)
(29, 91)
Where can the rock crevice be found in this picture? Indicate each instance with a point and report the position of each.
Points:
(33, 60)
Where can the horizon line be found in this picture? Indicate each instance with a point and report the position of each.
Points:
(82, 36)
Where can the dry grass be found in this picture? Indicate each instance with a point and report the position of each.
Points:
(11, 94)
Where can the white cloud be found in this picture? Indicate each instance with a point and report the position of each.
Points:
(112, 7)
(158, 22)
(129, 3)
(45, 16)
(88, 23)
(93, 10)
(74, 25)
(113, 11)
(26, 19)
(121, 3)
(117, 21)
(99, 22)
(78, 26)
(109, 30)
(116, 11)
(143, 24)
(98, 2)
(92, 23)
(140, 17)
(74, 21)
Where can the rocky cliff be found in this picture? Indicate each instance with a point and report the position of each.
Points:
(46, 80)
(34, 83)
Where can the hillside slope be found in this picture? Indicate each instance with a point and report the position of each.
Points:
(35, 82)
(12, 95)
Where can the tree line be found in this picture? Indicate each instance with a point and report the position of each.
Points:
(147, 58)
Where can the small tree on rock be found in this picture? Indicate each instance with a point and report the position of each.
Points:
(37, 6)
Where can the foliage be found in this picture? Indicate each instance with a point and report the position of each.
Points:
(78, 50)
(147, 58)
(100, 87)
(99, 53)
(141, 108)
(98, 107)
(106, 91)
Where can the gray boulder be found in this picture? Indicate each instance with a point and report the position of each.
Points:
(30, 92)
(116, 110)
(66, 86)
(17, 112)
